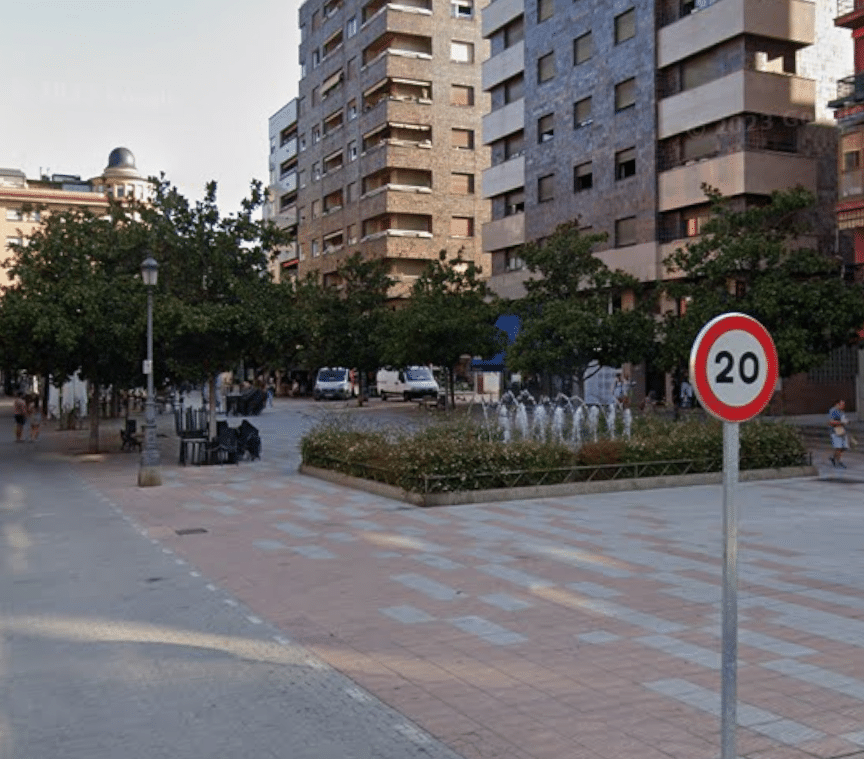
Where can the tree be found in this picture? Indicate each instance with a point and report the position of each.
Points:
(578, 312)
(76, 301)
(214, 296)
(451, 313)
(754, 261)
(351, 316)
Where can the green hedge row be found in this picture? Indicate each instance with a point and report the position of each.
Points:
(458, 454)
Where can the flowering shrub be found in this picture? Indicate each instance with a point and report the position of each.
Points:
(458, 454)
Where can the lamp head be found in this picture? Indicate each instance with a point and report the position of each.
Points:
(149, 271)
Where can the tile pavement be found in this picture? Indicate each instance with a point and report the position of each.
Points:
(581, 627)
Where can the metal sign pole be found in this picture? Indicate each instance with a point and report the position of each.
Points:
(729, 693)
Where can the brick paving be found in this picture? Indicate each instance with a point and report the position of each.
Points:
(581, 627)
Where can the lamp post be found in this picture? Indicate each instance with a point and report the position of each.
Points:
(148, 474)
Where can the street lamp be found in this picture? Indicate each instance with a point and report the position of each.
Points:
(148, 474)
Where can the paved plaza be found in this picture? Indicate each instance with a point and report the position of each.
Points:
(583, 627)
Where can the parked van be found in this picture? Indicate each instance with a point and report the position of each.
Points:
(333, 382)
(411, 382)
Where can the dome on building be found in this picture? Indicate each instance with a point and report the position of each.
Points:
(121, 162)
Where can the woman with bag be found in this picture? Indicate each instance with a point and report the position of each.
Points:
(839, 436)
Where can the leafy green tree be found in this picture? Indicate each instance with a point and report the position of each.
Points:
(755, 261)
(214, 295)
(575, 313)
(76, 301)
(349, 322)
(451, 313)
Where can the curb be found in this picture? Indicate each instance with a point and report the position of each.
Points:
(550, 491)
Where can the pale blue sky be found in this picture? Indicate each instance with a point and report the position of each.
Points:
(186, 85)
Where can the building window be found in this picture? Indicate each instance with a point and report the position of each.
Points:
(513, 261)
(546, 67)
(625, 94)
(462, 184)
(625, 26)
(625, 231)
(351, 27)
(625, 163)
(509, 91)
(514, 145)
(462, 8)
(316, 135)
(316, 171)
(315, 250)
(582, 112)
(461, 226)
(461, 52)
(352, 234)
(14, 214)
(545, 9)
(546, 188)
(301, 178)
(514, 202)
(583, 177)
(462, 139)
(545, 128)
(351, 69)
(302, 69)
(851, 161)
(350, 191)
(316, 209)
(316, 58)
(352, 110)
(352, 150)
(582, 48)
(461, 95)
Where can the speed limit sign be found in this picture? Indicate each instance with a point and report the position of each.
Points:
(733, 367)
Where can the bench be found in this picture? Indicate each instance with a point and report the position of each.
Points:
(432, 403)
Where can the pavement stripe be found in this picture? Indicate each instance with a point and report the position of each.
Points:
(824, 678)
(424, 585)
(488, 631)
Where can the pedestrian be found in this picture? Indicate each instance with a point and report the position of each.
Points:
(839, 434)
(35, 415)
(686, 393)
(19, 411)
(621, 390)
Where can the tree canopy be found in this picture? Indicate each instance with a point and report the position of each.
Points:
(756, 261)
(451, 313)
(577, 313)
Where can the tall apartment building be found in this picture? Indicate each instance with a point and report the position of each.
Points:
(389, 117)
(849, 110)
(616, 111)
(281, 207)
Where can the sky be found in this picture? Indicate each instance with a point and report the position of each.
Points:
(186, 85)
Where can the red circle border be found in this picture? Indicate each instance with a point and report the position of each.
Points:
(699, 366)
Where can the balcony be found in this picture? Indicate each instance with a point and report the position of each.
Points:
(745, 172)
(763, 92)
(504, 177)
(504, 121)
(500, 12)
(503, 233)
(850, 90)
(506, 64)
(849, 13)
(787, 20)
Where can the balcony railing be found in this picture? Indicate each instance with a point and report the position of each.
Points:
(686, 7)
(850, 88)
(845, 7)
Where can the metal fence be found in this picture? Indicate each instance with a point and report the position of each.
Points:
(432, 483)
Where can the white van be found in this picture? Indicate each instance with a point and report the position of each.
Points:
(407, 383)
(333, 382)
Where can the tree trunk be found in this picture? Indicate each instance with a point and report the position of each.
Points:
(211, 384)
(46, 387)
(93, 413)
(451, 378)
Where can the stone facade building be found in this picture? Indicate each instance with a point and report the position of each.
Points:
(390, 157)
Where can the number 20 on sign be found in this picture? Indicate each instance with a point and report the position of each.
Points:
(733, 367)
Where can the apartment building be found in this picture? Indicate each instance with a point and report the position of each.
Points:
(390, 156)
(616, 112)
(281, 207)
(24, 202)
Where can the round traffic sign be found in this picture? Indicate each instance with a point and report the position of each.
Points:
(733, 366)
